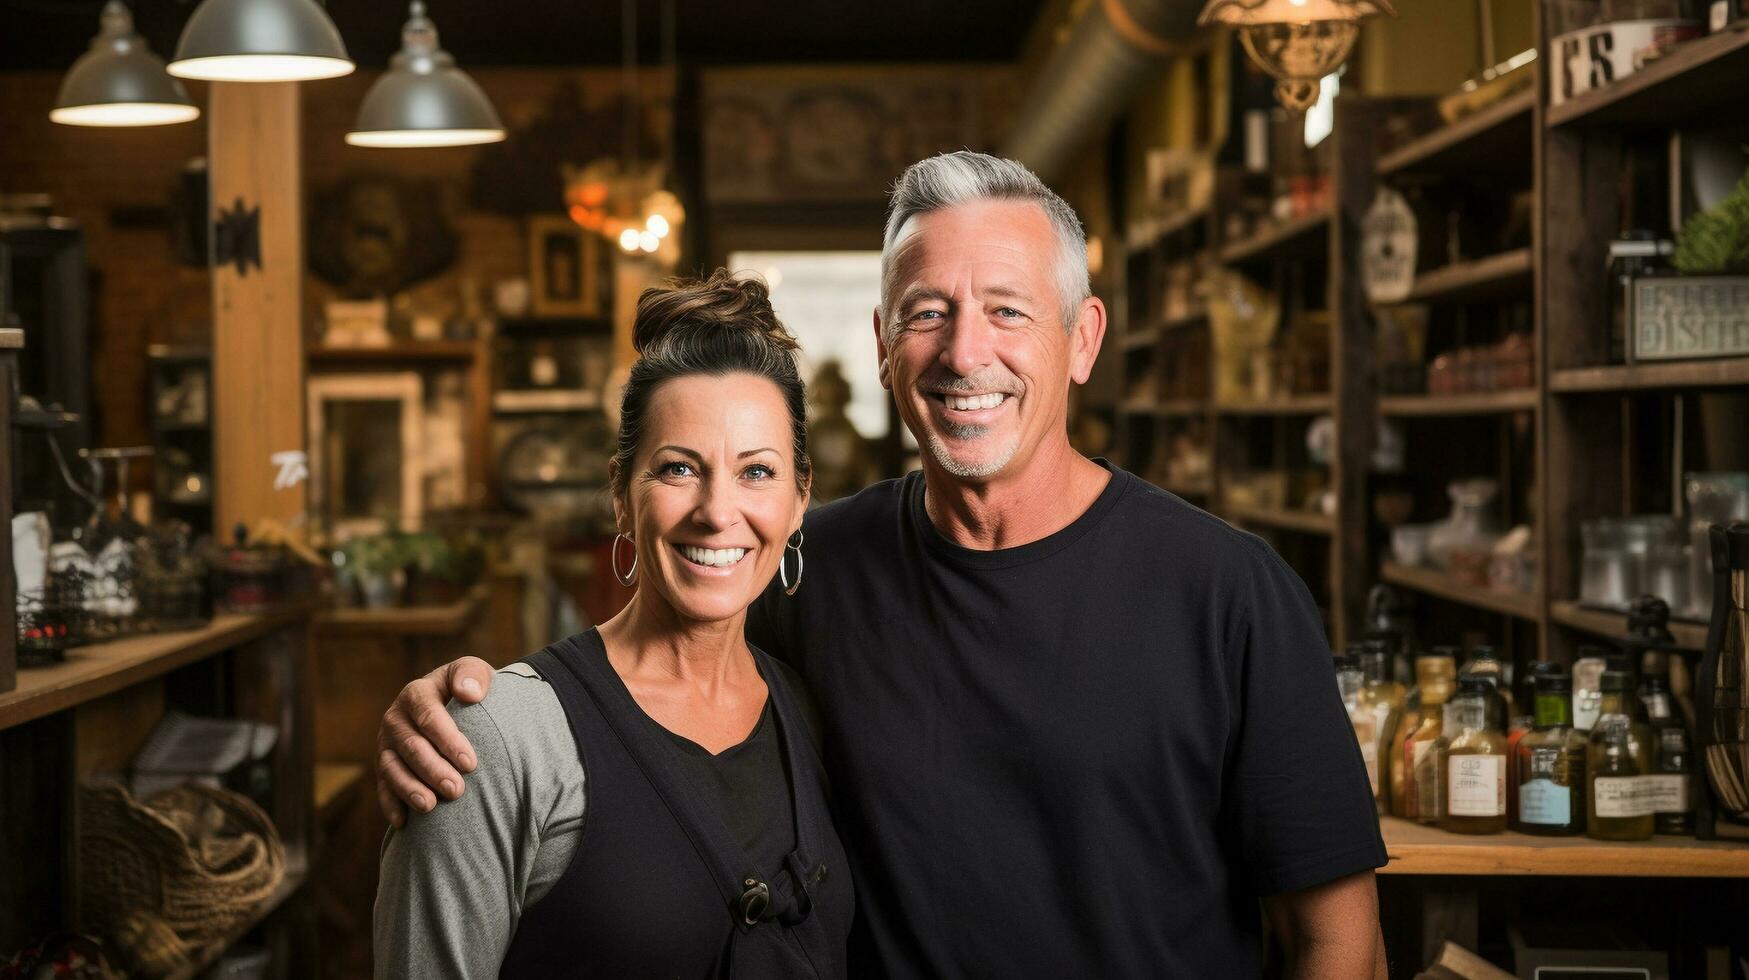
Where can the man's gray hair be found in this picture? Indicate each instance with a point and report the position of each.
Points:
(962, 177)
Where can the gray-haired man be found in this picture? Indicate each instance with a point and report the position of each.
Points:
(1078, 727)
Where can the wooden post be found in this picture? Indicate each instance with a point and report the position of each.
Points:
(258, 271)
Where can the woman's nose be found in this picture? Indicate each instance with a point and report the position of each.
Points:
(717, 507)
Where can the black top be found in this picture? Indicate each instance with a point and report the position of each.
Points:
(747, 783)
(659, 885)
(1085, 756)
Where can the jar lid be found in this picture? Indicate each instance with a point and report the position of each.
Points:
(1630, 248)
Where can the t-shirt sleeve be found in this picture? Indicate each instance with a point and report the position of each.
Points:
(1298, 798)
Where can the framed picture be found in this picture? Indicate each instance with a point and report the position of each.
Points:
(564, 268)
(366, 464)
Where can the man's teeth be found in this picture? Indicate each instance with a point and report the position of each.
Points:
(974, 402)
(715, 558)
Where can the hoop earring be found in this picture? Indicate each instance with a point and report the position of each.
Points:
(783, 570)
(631, 576)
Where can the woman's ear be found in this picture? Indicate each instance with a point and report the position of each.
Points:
(619, 506)
(802, 511)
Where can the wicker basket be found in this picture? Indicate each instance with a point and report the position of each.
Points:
(177, 873)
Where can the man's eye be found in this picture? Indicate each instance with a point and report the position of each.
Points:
(926, 315)
(1008, 311)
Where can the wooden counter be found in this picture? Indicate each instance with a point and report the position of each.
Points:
(449, 620)
(1415, 849)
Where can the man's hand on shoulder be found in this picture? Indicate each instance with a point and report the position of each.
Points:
(421, 754)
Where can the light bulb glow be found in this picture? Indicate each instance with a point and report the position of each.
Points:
(657, 225)
(628, 239)
(261, 68)
(397, 138)
(649, 242)
(124, 114)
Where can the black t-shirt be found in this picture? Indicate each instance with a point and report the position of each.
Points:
(1087, 756)
(750, 786)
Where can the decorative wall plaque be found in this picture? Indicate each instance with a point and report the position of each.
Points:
(1690, 317)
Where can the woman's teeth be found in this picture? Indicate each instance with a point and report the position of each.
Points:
(715, 558)
(973, 403)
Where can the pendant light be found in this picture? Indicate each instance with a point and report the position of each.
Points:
(1296, 41)
(120, 82)
(260, 41)
(424, 99)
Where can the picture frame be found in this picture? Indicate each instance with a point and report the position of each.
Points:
(366, 436)
(564, 268)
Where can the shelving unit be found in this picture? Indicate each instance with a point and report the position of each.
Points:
(1471, 281)
(1286, 520)
(1481, 141)
(1444, 586)
(1605, 624)
(1687, 85)
(1416, 849)
(1478, 403)
(1296, 237)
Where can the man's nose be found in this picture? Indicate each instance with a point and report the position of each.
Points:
(971, 343)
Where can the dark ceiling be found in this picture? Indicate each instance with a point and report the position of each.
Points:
(49, 34)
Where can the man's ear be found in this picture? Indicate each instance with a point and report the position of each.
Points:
(1085, 339)
(881, 351)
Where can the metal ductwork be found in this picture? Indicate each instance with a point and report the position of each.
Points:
(1112, 50)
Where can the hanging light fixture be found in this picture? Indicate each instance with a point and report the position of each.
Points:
(424, 100)
(1298, 42)
(260, 41)
(120, 82)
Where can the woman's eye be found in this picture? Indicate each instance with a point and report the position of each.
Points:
(759, 471)
(675, 469)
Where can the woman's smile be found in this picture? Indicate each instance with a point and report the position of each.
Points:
(711, 561)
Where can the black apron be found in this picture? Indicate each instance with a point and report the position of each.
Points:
(658, 886)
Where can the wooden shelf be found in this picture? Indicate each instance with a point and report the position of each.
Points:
(93, 671)
(1501, 276)
(1292, 405)
(1691, 84)
(1437, 583)
(1498, 138)
(1473, 403)
(1614, 625)
(334, 782)
(1717, 373)
(424, 350)
(296, 873)
(449, 620)
(1191, 319)
(1300, 237)
(1285, 520)
(1415, 849)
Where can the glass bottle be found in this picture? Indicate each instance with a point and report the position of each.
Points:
(1672, 769)
(1549, 764)
(1401, 768)
(1382, 697)
(1484, 664)
(1724, 710)
(1349, 683)
(1425, 790)
(1617, 806)
(1474, 760)
(1588, 668)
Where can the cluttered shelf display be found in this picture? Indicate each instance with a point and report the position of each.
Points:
(1639, 738)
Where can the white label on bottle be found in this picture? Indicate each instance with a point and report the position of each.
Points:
(1719, 15)
(1369, 752)
(1667, 793)
(1420, 749)
(1545, 802)
(1476, 786)
(1620, 796)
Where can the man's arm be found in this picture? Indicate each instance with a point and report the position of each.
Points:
(421, 754)
(1330, 930)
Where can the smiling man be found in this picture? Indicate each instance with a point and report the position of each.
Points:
(1076, 726)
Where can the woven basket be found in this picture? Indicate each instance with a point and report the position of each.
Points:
(186, 868)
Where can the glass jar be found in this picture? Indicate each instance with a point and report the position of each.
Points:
(1635, 255)
(1472, 527)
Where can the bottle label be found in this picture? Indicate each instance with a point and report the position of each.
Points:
(1545, 802)
(1543, 761)
(1369, 753)
(1667, 793)
(1620, 796)
(1476, 786)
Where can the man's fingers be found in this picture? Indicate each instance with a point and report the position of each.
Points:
(394, 811)
(421, 703)
(401, 784)
(467, 680)
(403, 733)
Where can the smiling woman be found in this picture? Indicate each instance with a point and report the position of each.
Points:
(710, 848)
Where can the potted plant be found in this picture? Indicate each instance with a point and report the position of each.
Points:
(379, 565)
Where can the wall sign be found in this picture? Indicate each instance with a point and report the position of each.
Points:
(1690, 317)
(1593, 57)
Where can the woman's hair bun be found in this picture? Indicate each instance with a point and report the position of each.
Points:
(724, 301)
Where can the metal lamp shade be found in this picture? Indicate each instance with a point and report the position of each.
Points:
(120, 82)
(441, 107)
(260, 41)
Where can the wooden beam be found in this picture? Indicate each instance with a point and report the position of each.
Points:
(258, 303)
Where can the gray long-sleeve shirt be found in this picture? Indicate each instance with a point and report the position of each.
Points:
(455, 881)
